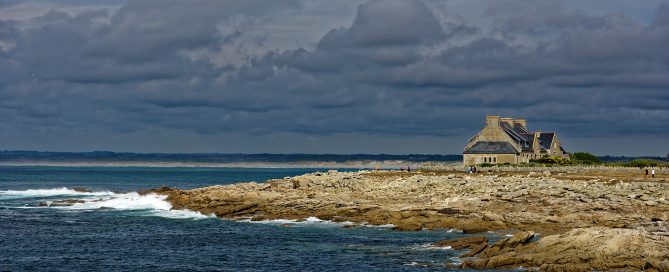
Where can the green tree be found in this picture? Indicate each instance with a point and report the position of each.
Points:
(585, 158)
(642, 163)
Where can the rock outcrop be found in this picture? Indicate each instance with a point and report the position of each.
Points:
(463, 243)
(587, 249)
(414, 201)
(607, 214)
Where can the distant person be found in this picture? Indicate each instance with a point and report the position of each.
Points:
(652, 173)
(408, 168)
(474, 170)
(646, 173)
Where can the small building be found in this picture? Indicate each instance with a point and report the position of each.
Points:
(507, 140)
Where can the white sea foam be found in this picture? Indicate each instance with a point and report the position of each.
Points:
(307, 221)
(32, 193)
(152, 204)
(273, 221)
(314, 221)
(155, 205)
(429, 247)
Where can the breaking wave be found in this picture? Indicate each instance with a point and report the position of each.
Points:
(35, 193)
(314, 221)
(148, 204)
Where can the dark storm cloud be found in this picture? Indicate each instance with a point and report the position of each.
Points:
(401, 68)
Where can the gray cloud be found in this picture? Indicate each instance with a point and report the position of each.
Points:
(400, 70)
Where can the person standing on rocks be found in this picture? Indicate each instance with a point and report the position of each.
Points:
(646, 176)
(652, 173)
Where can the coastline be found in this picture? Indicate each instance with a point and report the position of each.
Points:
(557, 207)
(390, 164)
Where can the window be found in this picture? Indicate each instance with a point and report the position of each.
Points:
(494, 159)
(485, 159)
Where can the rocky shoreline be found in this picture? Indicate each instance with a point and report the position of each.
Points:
(584, 224)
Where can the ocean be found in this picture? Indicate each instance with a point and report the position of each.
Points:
(112, 228)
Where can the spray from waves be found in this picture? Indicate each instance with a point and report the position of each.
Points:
(38, 193)
(145, 205)
(314, 221)
(151, 204)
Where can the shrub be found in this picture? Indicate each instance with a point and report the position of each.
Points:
(553, 160)
(486, 165)
(585, 158)
(641, 163)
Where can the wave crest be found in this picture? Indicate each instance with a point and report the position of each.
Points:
(148, 205)
(34, 193)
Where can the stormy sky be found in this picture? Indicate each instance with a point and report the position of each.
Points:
(322, 76)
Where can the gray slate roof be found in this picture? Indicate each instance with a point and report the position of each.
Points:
(545, 139)
(491, 148)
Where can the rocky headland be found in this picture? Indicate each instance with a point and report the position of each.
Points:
(573, 221)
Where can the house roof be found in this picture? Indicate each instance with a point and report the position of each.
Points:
(545, 139)
(516, 135)
(491, 148)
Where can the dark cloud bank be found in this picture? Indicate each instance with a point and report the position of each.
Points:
(403, 77)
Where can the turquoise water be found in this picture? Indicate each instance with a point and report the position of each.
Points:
(114, 229)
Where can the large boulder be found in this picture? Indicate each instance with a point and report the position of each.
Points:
(587, 249)
(409, 224)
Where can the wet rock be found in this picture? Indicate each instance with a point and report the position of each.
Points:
(408, 225)
(475, 250)
(472, 229)
(61, 203)
(508, 244)
(82, 190)
(463, 243)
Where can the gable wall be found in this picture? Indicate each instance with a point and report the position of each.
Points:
(492, 132)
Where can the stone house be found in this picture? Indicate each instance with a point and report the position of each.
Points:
(507, 140)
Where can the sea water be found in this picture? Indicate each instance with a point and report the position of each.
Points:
(113, 228)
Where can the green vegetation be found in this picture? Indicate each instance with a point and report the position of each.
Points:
(584, 158)
(553, 160)
(640, 163)
(530, 164)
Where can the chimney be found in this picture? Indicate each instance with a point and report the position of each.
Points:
(520, 122)
(492, 121)
(507, 120)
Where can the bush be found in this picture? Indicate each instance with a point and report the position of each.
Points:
(584, 158)
(486, 165)
(641, 163)
(553, 160)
